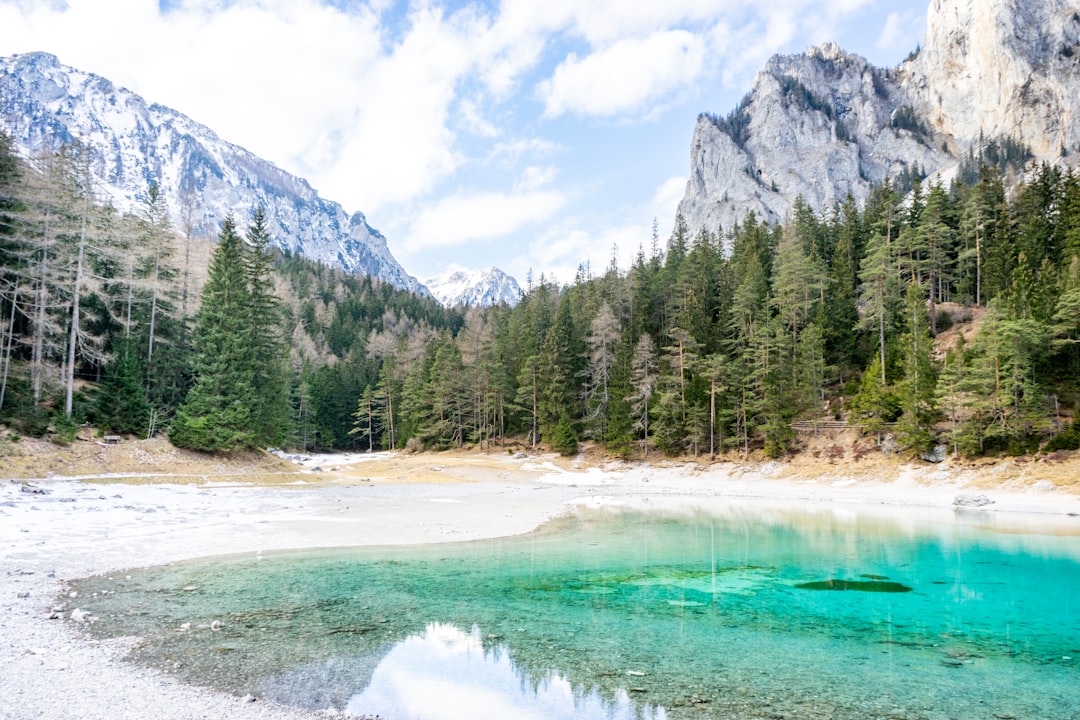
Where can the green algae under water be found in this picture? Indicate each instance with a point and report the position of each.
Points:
(628, 614)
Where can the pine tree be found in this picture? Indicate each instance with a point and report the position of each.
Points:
(878, 278)
(916, 390)
(138, 293)
(121, 405)
(811, 370)
(366, 425)
(875, 405)
(797, 284)
(268, 351)
(980, 219)
(558, 365)
(218, 411)
(448, 394)
(602, 341)
(1005, 402)
(716, 369)
(936, 239)
(528, 395)
(840, 321)
(949, 394)
(643, 378)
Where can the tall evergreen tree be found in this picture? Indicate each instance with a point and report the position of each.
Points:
(878, 276)
(643, 378)
(916, 391)
(218, 411)
(268, 350)
(602, 340)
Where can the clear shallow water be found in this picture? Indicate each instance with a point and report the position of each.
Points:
(740, 611)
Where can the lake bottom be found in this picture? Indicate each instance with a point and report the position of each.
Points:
(739, 611)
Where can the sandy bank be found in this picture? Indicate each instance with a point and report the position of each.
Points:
(75, 528)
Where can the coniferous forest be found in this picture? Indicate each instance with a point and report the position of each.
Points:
(931, 316)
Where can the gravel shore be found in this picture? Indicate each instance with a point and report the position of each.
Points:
(54, 530)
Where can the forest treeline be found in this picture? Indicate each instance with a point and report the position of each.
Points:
(717, 342)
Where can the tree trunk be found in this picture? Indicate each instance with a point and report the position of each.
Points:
(73, 337)
(7, 346)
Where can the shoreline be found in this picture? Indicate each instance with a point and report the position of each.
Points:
(76, 528)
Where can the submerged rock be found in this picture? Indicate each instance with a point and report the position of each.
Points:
(883, 586)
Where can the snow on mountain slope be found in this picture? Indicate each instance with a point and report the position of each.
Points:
(474, 288)
(203, 177)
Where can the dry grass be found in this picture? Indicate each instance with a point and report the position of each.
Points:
(828, 457)
(143, 459)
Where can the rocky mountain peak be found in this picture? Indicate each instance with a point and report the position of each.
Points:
(202, 177)
(474, 288)
(826, 124)
(818, 125)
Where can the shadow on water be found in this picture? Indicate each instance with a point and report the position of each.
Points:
(613, 614)
(880, 585)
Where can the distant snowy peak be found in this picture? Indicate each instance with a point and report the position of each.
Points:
(202, 177)
(474, 288)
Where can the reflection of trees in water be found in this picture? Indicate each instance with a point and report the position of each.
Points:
(695, 613)
(443, 669)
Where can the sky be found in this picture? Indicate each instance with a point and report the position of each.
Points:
(531, 135)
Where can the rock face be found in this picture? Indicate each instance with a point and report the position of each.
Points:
(1001, 68)
(826, 124)
(475, 288)
(817, 125)
(203, 178)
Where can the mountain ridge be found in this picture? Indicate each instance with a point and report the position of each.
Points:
(474, 288)
(203, 177)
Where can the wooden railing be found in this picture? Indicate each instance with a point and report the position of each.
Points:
(811, 425)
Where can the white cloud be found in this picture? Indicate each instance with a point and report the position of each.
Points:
(666, 200)
(624, 77)
(473, 120)
(511, 152)
(536, 177)
(389, 106)
(322, 92)
(468, 217)
(902, 32)
(563, 248)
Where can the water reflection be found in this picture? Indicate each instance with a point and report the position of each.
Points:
(704, 611)
(446, 674)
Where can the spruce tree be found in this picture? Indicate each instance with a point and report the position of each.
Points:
(268, 350)
(916, 391)
(218, 413)
(121, 405)
(875, 404)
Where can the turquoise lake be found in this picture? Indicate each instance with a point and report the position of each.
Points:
(739, 611)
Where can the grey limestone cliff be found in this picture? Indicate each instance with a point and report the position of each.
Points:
(826, 124)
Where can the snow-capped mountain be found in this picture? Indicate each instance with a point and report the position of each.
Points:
(202, 177)
(474, 288)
